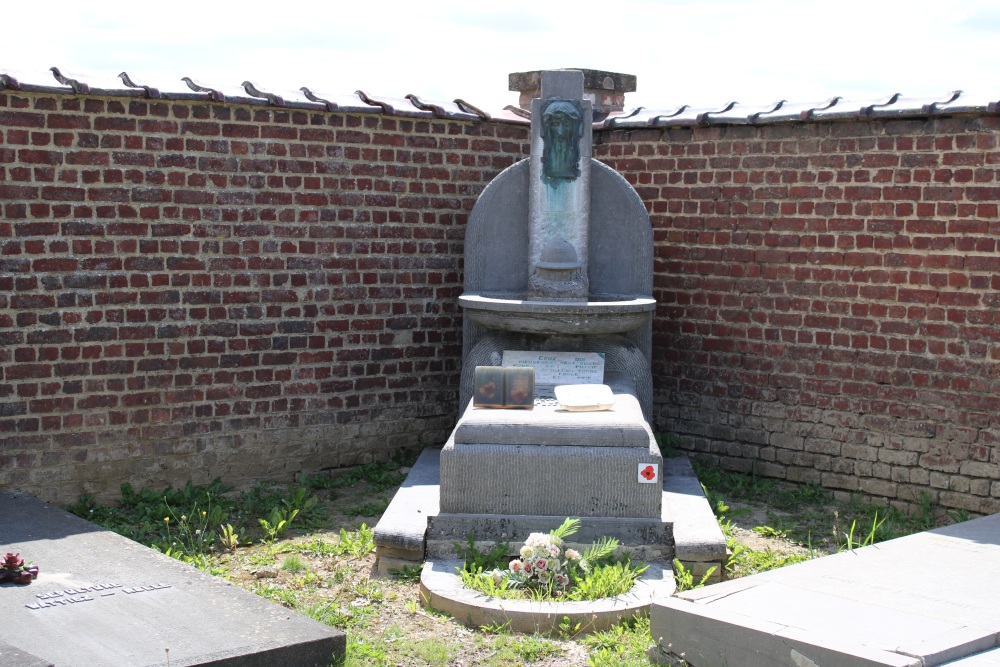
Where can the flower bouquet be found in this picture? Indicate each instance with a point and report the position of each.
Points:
(12, 568)
(546, 569)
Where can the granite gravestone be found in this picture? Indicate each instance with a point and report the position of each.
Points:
(101, 600)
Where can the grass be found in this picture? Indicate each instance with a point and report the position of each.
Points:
(322, 563)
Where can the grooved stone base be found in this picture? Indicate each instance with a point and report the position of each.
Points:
(642, 539)
(548, 481)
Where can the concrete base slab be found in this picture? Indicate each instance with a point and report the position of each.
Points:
(926, 599)
(401, 534)
(101, 600)
(441, 589)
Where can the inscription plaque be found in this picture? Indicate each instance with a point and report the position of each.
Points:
(555, 368)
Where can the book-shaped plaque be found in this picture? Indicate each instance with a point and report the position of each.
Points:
(499, 387)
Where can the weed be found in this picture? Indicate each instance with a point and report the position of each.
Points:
(568, 629)
(293, 563)
(669, 444)
(228, 537)
(364, 651)
(367, 509)
(607, 581)
(622, 645)
(409, 573)
(958, 516)
(685, 577)
(278, 594)
(770, 531)
(358, 543)
(327, 613)
(379, 477)
(475, 560)
(434, 652)
(277, 522)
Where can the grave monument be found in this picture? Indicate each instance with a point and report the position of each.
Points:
(558, 276)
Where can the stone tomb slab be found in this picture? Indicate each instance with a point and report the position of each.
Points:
(102, 600)
(922, 600)
(623, 425)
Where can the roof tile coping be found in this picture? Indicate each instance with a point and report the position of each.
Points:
(832, 109)
(187, 88)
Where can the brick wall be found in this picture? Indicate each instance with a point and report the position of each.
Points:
(193, 290)
(828, 300)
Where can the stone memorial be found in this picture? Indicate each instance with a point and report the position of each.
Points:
(558, 276)
(101, 600)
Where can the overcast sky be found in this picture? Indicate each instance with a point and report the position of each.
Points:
(699, 52)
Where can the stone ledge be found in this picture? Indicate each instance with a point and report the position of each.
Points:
(441, 589)
(697, 536)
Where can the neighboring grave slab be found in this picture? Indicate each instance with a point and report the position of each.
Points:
(102, 600)
(922, 600)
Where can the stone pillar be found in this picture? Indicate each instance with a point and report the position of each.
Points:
(559, 189)
(605, 90)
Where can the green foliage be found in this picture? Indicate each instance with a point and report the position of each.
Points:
(486, 583)
(753, 488)
(474, 560)
(293, 563)
(685, 577)
(606, 581)
(568, 527)
(958, 516)
(409, 573)
(379, 477)
(228, 537)
(669, 444)
(770, 531)
(434, 652)
(277, 522)
(365, 651)
(568, 629)
(373, 509)
(358, 543)
(601, 550)
(623, 645)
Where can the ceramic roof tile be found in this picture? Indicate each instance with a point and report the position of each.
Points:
(847, 109)
(740, 114)
(394, 106)
(911, 106)
(795, 111)
(968, 103)
(339, 101)
(444, 109)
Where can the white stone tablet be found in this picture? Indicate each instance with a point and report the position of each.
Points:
(584, 397)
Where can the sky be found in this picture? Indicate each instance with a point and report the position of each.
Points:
(705, 53)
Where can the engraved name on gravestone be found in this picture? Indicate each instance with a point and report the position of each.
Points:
(554, 368)
(85, 594)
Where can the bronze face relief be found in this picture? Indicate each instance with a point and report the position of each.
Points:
(562, 128)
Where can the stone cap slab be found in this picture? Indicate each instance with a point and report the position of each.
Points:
(621, 426)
